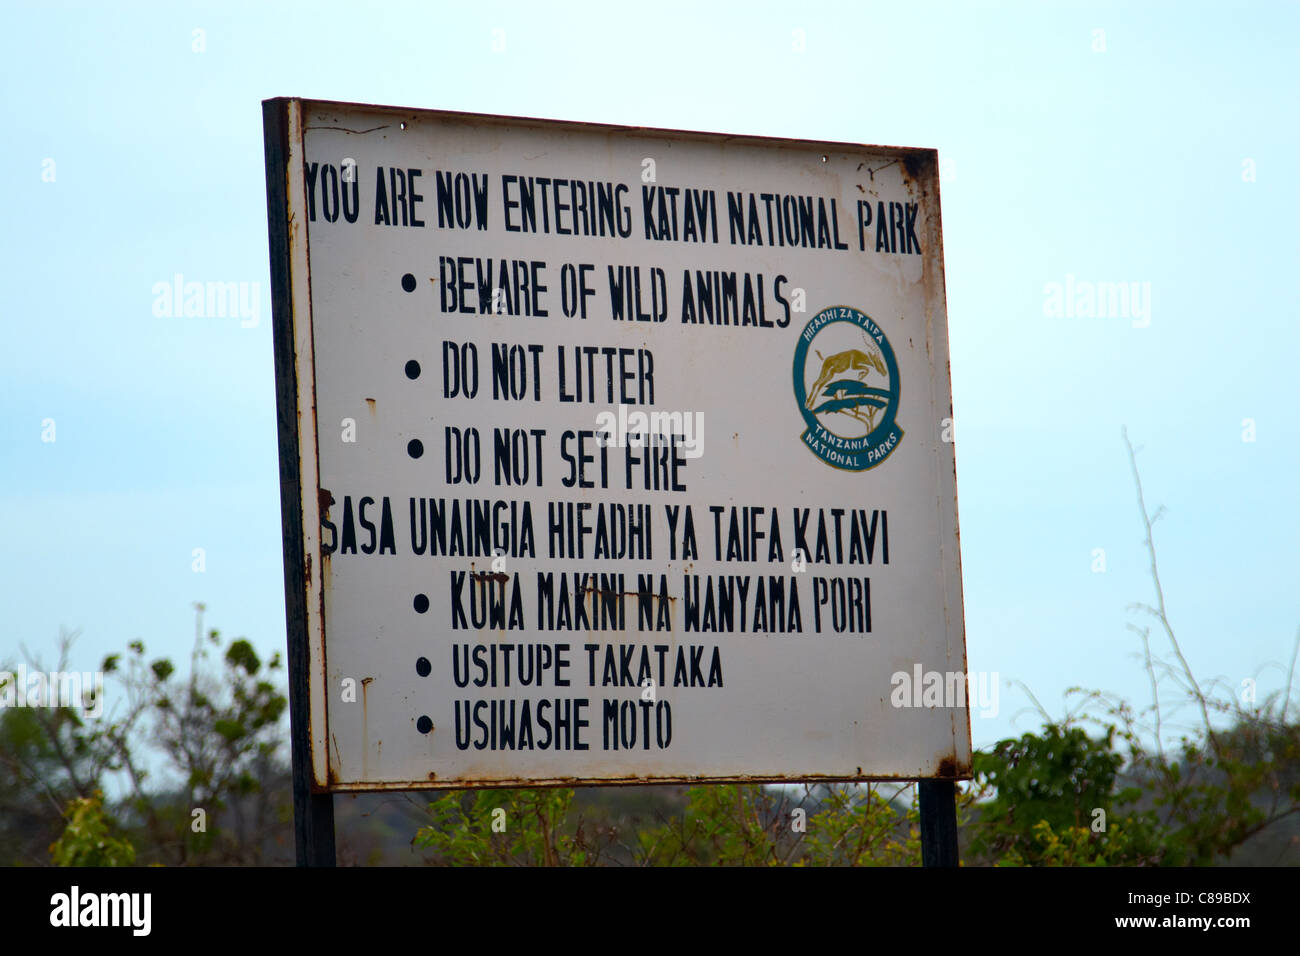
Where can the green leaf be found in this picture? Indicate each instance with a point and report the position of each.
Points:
(241, 654)
(231, 730)
(162, 668)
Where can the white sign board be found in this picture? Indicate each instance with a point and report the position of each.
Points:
(625, 454)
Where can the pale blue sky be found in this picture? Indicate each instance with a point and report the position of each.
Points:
(1124, 166)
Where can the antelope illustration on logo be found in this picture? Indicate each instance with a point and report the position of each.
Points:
(851, 361)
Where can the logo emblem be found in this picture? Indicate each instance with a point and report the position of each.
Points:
(846, 384)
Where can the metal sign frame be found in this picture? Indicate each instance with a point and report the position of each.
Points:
(283, 127)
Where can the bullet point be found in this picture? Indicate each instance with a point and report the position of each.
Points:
(421, 603)
(415, 448)
(422, 667)
(413, 369)
(408, 282)
(424, 725)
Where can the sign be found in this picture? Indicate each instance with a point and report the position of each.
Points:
(613, 454)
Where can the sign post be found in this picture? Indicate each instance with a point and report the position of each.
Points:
(611, 455)
(313, 812)
(938, 809)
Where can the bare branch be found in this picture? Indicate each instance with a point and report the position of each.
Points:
(1162, 612)
(1290, 674)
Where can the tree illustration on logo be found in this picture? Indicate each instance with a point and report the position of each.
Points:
(849, 396)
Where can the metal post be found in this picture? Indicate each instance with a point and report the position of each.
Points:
(938, 822)
(313, 813)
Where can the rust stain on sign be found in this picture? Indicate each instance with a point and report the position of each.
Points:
(951, 769)
(365, 725)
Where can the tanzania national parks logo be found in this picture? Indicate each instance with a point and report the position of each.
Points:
(846, 383)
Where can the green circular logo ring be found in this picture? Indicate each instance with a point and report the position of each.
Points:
(842, 388)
